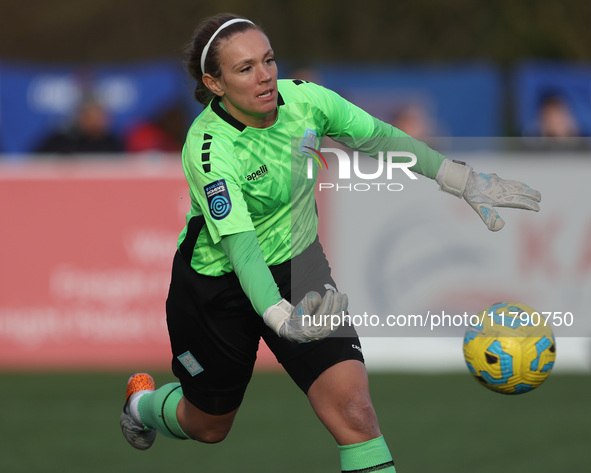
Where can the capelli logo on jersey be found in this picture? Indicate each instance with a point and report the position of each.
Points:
(258, 174)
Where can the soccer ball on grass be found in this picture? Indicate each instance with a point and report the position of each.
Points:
(512, 348)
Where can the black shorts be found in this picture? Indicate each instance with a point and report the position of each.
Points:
(215, 332)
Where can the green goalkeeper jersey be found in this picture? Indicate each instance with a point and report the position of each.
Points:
(242, 178)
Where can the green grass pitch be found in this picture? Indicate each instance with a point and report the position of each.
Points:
(446, 423)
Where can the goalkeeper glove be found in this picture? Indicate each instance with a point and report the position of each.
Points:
(314, 318)
(485, 191)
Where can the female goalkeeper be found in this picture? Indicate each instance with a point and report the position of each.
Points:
(249, 263)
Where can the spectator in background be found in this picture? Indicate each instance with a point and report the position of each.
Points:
(307, 73)
(166, 133)
(555, 126)
(414, 120)
(555, 118)
(90, 133)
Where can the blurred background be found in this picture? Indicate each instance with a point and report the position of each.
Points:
(436, 68)
(94, 107)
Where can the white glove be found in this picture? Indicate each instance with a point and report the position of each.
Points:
(314, 318)
(485, 191)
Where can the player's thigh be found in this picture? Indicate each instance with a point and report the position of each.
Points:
(214, 335)
(305, 362)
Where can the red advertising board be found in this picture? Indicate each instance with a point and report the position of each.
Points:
(85, 256)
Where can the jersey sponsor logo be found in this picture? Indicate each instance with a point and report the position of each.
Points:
(258, 174)
(218, 199)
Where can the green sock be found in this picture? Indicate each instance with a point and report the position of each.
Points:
(364, 457)
(158, 410)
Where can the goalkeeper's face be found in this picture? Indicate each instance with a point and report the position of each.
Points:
(248, 80)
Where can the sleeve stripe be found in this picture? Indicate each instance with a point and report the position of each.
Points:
(207, 139)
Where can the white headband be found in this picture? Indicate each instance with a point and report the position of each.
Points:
(225, 25)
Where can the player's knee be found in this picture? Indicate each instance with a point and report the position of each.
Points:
(359, 415)
(209, 435)
(203, 427)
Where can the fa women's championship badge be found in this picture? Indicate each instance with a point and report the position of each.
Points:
(218, 199)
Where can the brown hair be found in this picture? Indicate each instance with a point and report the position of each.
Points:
(202, 34)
